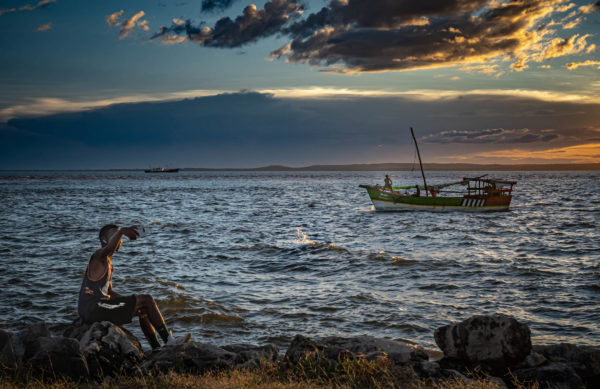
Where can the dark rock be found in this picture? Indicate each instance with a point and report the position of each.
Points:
(334, 349)
(76, 329)
(29, 338)
(301, 348)
(191, 357)
(110, 349)
(250, 356)
(585, 360)
(554, 375)
(61, 357)
(12, 350)
(492, 343)
(398, 352)
(427, 369)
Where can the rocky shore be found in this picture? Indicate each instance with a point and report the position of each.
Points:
(497, 346)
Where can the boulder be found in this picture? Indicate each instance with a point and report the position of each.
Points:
(362, 347)
(76, 329)
(29, 338)
(251, 356)
(303, 347)
(493, 343)
(585, 360)
(554, 375)
(12, 350)
(59, 356)
(191, 357)
(398, 352)
(110, 349)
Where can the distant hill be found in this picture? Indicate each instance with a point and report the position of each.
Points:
(410, 166)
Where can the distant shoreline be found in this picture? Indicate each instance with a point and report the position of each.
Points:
(375, 167)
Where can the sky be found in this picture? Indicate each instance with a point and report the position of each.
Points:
(231, 83)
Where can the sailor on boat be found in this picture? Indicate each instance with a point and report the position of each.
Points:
(388, 182)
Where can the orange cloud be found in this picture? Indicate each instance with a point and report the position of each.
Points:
(584, 153)
(575, 65)
(44, 27)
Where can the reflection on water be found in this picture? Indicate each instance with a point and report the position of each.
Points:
(259, 257)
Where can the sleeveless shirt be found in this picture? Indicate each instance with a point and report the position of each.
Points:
(93, 291)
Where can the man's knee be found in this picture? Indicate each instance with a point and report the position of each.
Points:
(145, 300)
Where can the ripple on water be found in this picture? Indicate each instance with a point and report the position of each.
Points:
(274, 257)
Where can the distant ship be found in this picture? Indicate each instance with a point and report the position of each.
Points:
(161, 170)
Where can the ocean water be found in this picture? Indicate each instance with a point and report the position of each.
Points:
(260, 257)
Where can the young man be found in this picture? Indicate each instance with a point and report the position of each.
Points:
(388, 182)
(98, 301)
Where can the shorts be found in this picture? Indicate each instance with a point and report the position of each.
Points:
(118, 310)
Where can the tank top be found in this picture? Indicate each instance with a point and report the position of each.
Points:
(93, 291)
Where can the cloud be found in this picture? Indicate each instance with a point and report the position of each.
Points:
(252, 25)
(575, 65)
(113, 19)
(583, 153)
(254, 129)
(127, 26)
(352, 36)
(44, 27)
(48, 106)
(495, 135)
(28, 7)
(216, 5)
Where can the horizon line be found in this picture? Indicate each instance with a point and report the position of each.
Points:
(385, 166)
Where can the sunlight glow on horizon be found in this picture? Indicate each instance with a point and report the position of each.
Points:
(50, 105)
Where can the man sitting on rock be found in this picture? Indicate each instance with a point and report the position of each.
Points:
(98, 301)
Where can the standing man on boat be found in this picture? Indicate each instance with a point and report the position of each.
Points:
(388, 182)
(98, 301)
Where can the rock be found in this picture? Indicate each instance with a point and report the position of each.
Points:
(427, 369)
(585, 360)
(12, 350)
(110, 349)
(553, 375)
(191, 357)
(29, 338)
(498, 382)
(532, 360)
(250, 356)
(493, 343)
(362, 347)
(76, 329)
(398, 352)
(60, 356)
(302, 347)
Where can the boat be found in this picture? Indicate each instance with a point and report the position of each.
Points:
(161, 170)
(479, 194)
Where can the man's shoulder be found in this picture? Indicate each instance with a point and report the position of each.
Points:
(99, 257)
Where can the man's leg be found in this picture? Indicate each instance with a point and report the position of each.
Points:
(145, 303)
(148, 329)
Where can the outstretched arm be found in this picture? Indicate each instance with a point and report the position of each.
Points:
(101, 255)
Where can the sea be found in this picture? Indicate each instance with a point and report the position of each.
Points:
(258, 257)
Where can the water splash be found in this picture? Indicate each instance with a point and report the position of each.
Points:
(302, 238)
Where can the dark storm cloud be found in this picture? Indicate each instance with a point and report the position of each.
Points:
(367, 35)
(253, 129)
(252, 25)
(216, 5)
(381, 35)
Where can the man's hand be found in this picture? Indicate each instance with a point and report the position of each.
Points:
(130, 232)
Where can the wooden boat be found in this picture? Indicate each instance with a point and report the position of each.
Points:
(161, 170)
(479, 195)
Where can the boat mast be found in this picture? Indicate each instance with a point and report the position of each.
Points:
(420, 163)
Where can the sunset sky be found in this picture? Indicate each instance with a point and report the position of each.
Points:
(232, 83)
